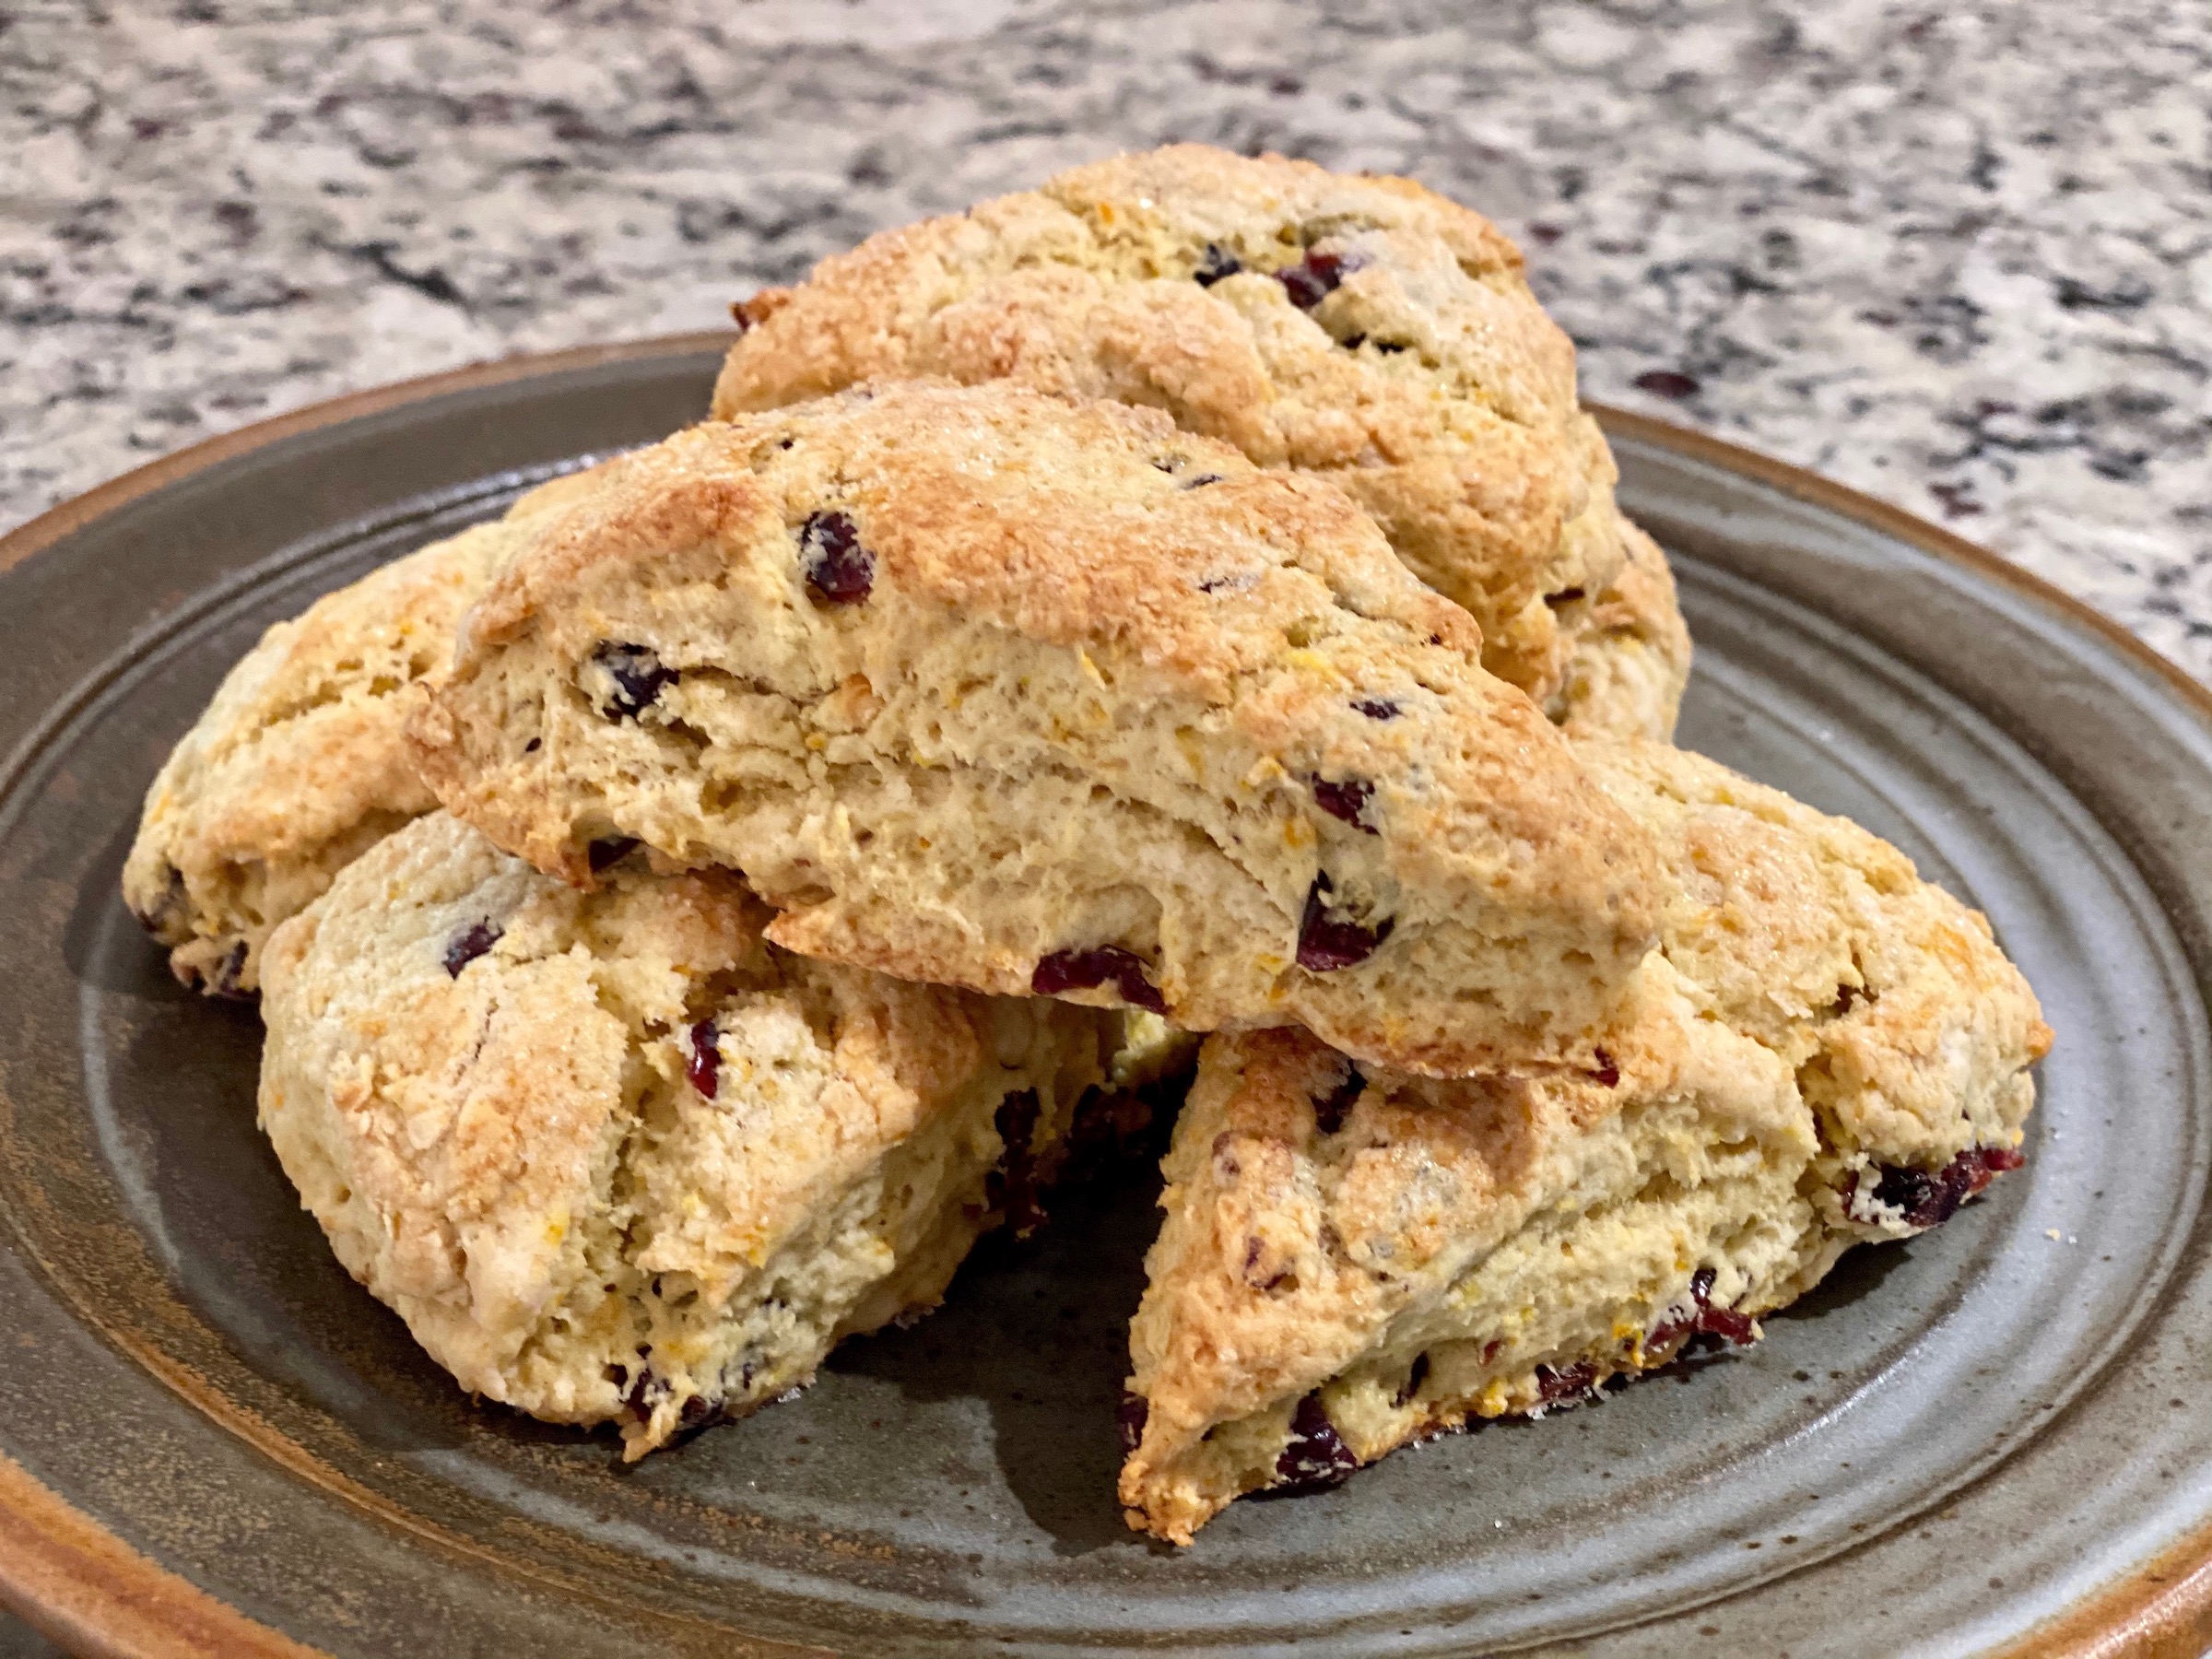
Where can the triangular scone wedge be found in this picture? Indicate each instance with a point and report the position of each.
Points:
(296, 767)
(1360, 328)
(612, 1156)
(991, 688)
(1826, 1051)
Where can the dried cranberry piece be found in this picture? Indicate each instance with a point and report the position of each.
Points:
(1607, 1074)
(1574, 1383)
(468, 945)
(1014, 1186)
(1316, 1456)
(1216, 263)
(1326, 942)
(639, 678)
(1314, 278)
(1329, 1109)
(230, 973)
(647, 1391)
(699, 1412)
(1703, 1320)
(1346, 800)
(1065, 970)
(1409, 1389)
(609, 850)
(1129, 1416)
(173, 900)
(702, 1058)
(1377, 708)
(1931, 1198)
(838, 571)
(1726, 1324)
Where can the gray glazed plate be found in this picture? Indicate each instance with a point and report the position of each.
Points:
(211, 1441)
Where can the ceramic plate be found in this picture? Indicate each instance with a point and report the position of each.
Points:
(211, 1441)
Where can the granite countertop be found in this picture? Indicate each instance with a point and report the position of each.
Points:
(1959, 256)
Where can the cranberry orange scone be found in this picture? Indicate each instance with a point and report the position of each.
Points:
(1828, 1051)
(987, 687)
(1356, 327)
(614, 1158)
(297, 765)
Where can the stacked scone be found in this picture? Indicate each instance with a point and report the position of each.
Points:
(1187, 599)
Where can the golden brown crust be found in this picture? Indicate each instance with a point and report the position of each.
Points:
(297, 765)
(1819, 940)
(1098, 687)
(1427, 381)
(1817, 1029)
(490, 1089)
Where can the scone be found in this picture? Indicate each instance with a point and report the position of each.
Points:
(1356, 327)
(1627, 675)
(1828, 1050)
(296, 767)
(988, 688)
(611, 1156)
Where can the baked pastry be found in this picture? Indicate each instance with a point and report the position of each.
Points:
(1828, 1051)
(1631, 664)
(987, 687)
(1356, 327)
(296, 767)
(614, 1158)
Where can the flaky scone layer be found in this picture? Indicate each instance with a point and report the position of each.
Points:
(1358, 327)
(297, 765)
(993, 688)
(614, 1158)
(1826, 1051)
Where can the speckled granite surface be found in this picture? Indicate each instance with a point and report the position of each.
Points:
(1958, 255)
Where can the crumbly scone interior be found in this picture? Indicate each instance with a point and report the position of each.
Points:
(490, 1089)
(1360, 328)
(1109, 688)
(297, 765)
(1828, 1051)
(1150, 1051)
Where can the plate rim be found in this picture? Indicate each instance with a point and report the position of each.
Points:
(70, 1577)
